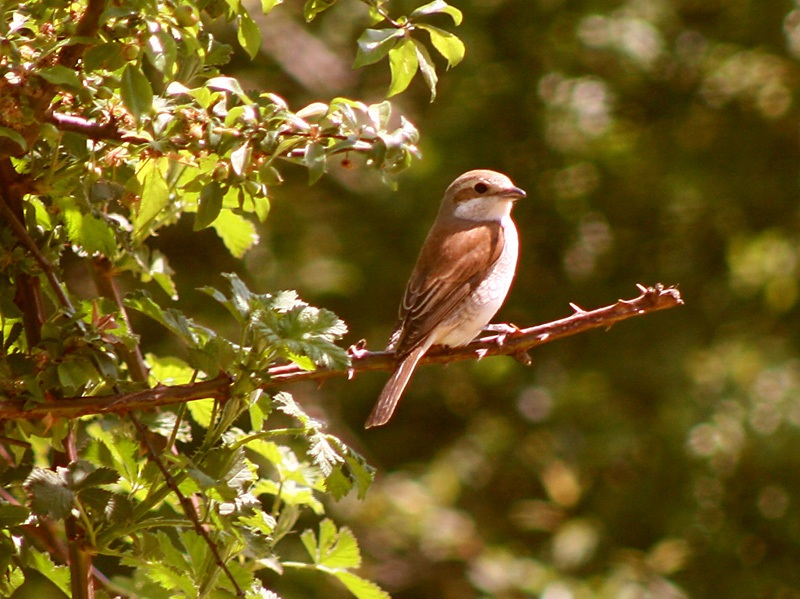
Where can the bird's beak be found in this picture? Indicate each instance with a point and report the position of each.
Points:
(514, 193)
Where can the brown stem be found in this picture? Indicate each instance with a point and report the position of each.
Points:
(515, 344)
(28, 297)
(87, 26)
(188, 508)
(103, 274)
(93, 130)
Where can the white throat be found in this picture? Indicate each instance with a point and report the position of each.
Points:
(484, 208)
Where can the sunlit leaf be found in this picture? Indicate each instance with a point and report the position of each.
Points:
(237, 233)
(427, 68)
(374, 44)
(249, 35)
(209, 205)
(447, 44)
(137, 94)
(62, 76)
(439, 6)
(403, 63)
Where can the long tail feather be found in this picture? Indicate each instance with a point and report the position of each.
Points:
(394, 388)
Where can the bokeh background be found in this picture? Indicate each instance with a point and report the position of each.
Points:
(658, 142)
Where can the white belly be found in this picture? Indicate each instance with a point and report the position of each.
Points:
(479, 308)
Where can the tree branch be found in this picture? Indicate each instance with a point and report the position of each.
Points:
(87, 26)
(94, 130)
(515, 344)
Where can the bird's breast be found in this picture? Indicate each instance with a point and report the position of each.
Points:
(478, 309)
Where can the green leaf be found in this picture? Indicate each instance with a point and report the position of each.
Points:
(137, 95)
(447, 44)
(240, 158)
(268, 5)
(168, 370)
(62, 76)
(374, 44)
(154, 194)
(209, 205)
(313, 7)
(362, 589)
(325, 457)
(439, 6)
(58, 575)
(249, 35)
(314, 160)
(201, 411)
(12, 515)
(49, 494)
(74, 373)
(93, 235)
(84, 474)
(237, 233)
(228, 84)
(15, 137)
(403, 64)
(343, 552)
(172, 319)
(426, 68)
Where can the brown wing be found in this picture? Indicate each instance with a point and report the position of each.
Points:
(448, 269)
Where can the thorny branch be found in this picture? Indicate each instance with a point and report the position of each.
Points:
(514, 343)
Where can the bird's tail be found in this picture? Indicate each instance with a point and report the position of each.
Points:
(393, 389)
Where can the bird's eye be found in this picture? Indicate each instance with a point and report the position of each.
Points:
(481, 188)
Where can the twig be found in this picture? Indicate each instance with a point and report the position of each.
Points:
(106, 284)
(94, 130)
(186, 504)
(87, 26)
(25, 239)
(651, 299)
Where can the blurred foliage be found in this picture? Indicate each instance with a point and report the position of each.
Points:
(658, 141)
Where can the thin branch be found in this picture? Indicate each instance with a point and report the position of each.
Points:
(103, 274)
(25, 239)
(28, 296)
(94, 130)
(516, 343)
(186, 504)
(87, 26)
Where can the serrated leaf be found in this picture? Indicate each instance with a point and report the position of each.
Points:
(447, 44)
(403, 64)
(58, 575)
(427, 68)
(439, 6)
(137, 94)
(85, 475)
(209, 205)
(202, 411)
(323, 454)
(49, 494)
(343, 552)
(237, 233)
(374, 44)
(362, 589)
(93, 235)
(249, 35)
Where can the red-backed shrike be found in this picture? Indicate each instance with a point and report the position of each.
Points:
(462, 276)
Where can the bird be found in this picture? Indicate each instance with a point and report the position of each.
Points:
(461, 278)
